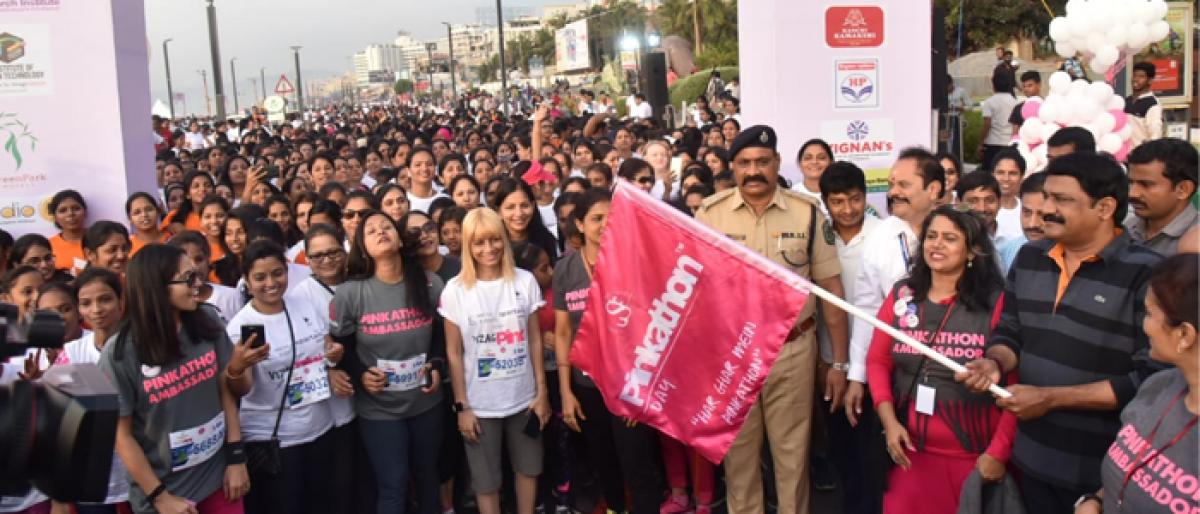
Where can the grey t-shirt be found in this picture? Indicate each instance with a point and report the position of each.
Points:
(451, 266)
(1167, 481)
(392, 336)
(176, 411)
(571, 283)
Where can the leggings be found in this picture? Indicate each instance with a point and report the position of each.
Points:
(678, 459)
(302, 484)
(637, 455)
(392, 444)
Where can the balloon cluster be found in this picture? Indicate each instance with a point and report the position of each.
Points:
(1105, 32)
(1092, 106)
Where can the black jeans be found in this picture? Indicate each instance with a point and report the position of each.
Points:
(302, 484)
(636, 450)
(352, 477)
(1044, 497)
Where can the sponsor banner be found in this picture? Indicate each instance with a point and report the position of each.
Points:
(571, 47)
(659, 337)
(25, 60)
(868, 143)
(857, 83)
(854, 26)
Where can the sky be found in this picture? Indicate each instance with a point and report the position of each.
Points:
(259, 33)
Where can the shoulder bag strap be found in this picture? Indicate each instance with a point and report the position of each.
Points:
(288, 382)
(912, 385)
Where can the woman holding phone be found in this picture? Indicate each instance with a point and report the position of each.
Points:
(289, 390)
(493, 344)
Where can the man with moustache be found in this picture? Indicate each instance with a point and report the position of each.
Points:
(785, 227)
(915, 183)
(1162, 177)
(1032, 198)
(1072, 328)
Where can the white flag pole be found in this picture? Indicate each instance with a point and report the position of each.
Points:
(899, 336)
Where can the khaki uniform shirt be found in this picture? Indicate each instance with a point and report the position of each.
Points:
(780, 234)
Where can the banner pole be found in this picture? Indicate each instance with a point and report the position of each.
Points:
(899, 336)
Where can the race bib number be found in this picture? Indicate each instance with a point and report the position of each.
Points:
(501, 354)
(402, 375)
(310, 383)
(192, 446)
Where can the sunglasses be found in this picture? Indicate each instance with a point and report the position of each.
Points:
(428, 228)
(351, 214)
(192, 277)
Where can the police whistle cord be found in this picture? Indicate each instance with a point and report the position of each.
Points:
(899, 336)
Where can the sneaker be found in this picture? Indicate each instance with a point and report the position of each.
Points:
(676, 505)
(562, 509)
(822, 474)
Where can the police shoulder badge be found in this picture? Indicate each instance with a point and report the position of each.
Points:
(827, 231)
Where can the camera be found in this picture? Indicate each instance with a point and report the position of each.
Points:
(56, 433)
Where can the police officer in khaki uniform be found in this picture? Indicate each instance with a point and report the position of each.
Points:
(785, 227)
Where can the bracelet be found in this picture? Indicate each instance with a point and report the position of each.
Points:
(235, 453)
(844, 367)
(162, 488)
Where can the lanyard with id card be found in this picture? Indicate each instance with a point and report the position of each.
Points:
(926, 395)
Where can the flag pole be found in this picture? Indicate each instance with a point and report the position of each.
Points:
(899, 336)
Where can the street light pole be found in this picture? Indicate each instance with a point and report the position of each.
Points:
(233, 80)
(254, 90)
(207, 99)
(218, 85)
(262, 77)
(453, 81)
(299, 82)
(429, 68)
(503, 68)
(170, 91)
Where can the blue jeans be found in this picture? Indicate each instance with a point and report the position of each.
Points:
(392, 445)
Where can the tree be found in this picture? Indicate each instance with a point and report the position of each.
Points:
(987, 22)
(403, 86)
(711, 25)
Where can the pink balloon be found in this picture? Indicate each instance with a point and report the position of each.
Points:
(1118, 115)
(1030, 109)
(1123, 152)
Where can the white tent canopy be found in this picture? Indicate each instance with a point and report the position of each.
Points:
(160, 108)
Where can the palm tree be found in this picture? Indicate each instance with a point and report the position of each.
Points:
(714, 21)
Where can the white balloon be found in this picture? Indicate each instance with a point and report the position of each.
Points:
(1115, 102)
(1159, 31)
(1028, 135)
(1102, 18)
(1096, 41)
(1099, 92)
(1059, 30)
(1158, 9)
(1049, 112)
(1048, 130)
(1079, 26)
(1104, 123)
(1110, 143)
(1073, 5)
(1040, 153)
(1064, 49)
(1060, 83)
(1078, 88)
(1125, 132)
(1117, 35)
(1141, 12)
(1086, 111)
(1106, 56)
(1138, 38)
(1098, 68)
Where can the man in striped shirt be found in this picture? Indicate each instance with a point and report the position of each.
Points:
(1071, 326)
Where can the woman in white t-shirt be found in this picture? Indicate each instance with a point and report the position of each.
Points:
(287, 398)
(492, 333)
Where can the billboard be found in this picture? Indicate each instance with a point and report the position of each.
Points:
(72, 72)
(571, 47)
(381, 77)
(859, 87)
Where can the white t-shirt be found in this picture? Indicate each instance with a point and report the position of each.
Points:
(295, 251)
(642, 110)
(493, 318)
(194, 141)
(416, 203)
(84, 351)
(306, 414)
(549, 218)
(998, 107)
(227, 300)
(315, 294)
(850, 254)
(1008, 223)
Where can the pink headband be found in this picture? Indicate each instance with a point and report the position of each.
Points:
(537, 174)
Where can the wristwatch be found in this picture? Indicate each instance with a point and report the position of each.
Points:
(1086, 498)
(844, 367)
(458, 407)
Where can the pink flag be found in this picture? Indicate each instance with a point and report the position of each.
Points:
(682, 323)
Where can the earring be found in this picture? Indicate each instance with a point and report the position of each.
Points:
(970, 263)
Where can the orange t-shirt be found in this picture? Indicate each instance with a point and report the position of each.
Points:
(68, 255)
(214, 249)
(191, 223)
(136, 243)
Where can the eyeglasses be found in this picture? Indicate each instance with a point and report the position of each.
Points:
(192, 277)
(330, 255)
(351, 214)
(428, 228)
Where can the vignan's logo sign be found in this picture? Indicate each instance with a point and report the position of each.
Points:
(856, 26)
(665, 314)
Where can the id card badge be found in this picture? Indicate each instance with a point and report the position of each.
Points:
(925, 397)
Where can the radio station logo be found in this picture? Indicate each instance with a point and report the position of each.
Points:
(854, 26)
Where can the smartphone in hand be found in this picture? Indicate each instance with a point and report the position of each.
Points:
(533, 425)
(250, 330)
